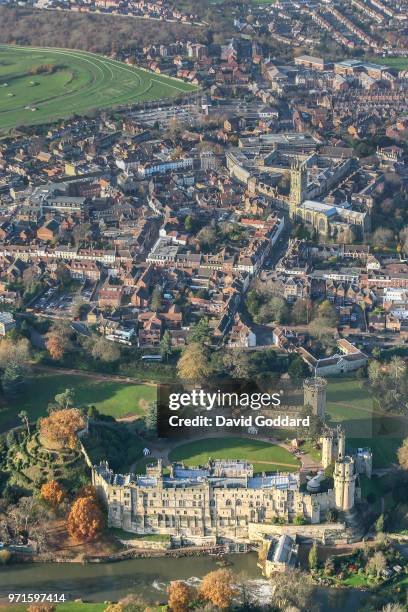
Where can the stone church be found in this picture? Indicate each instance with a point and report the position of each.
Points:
(339, 222)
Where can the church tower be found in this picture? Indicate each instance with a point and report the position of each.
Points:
(298, 185)
(314, 395)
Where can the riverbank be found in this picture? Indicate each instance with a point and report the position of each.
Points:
(96, 582)
(131, 553)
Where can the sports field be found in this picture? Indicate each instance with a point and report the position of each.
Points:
(265, 457)
(38, 85)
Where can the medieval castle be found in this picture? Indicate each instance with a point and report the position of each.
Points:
(220, 501)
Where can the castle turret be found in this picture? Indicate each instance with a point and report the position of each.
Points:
(341, 443)
(327, 442)
(344, 484)
(314, 395)
(364, 461)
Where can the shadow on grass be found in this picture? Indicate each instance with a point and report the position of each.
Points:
(109, 397)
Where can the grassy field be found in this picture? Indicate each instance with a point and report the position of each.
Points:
(265, 457)
(43, 84)
(398, 63)
(351, 405)
(112, 398)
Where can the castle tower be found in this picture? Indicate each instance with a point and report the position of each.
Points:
(298, 185)
(327, 441)
(341, 443)
(344, 484)
(314, 395)
(364, 461)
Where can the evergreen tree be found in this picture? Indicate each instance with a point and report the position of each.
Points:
(166, 348)
(379, 524)
(13, 380)
(66, 399)
(298, 370)
(156, 301)
(313, 557)
(151, 417)
(200, 333)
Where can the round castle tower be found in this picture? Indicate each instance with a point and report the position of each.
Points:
(344, 483)
(333, 443)
(327, 441)
(314, 395)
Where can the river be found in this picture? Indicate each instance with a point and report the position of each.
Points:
(147, 577)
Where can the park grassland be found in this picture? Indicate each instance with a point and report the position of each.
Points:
(112, 398)
(398, 63)
(350, 404)
(75, 82)
(264, 456)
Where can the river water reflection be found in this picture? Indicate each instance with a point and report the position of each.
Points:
(147, 577)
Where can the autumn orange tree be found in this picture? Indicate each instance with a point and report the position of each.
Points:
(60, 428)
(56, 346)
(180, 596)
(41, 607)
(85, 521)
(58, 341)
(218, 588)
(53, 493)
(403, 455)
(87, 491)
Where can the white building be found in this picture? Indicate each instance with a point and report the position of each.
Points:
(7, 323)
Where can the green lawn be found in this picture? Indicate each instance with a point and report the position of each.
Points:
(348, 391)
(309, 449)
(355, 580)
(111, 398)
(77, 82)
(398, 63)
(350, 404)
(266, 457)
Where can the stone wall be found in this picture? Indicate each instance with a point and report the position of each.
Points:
(146, 544)
(327, 533)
